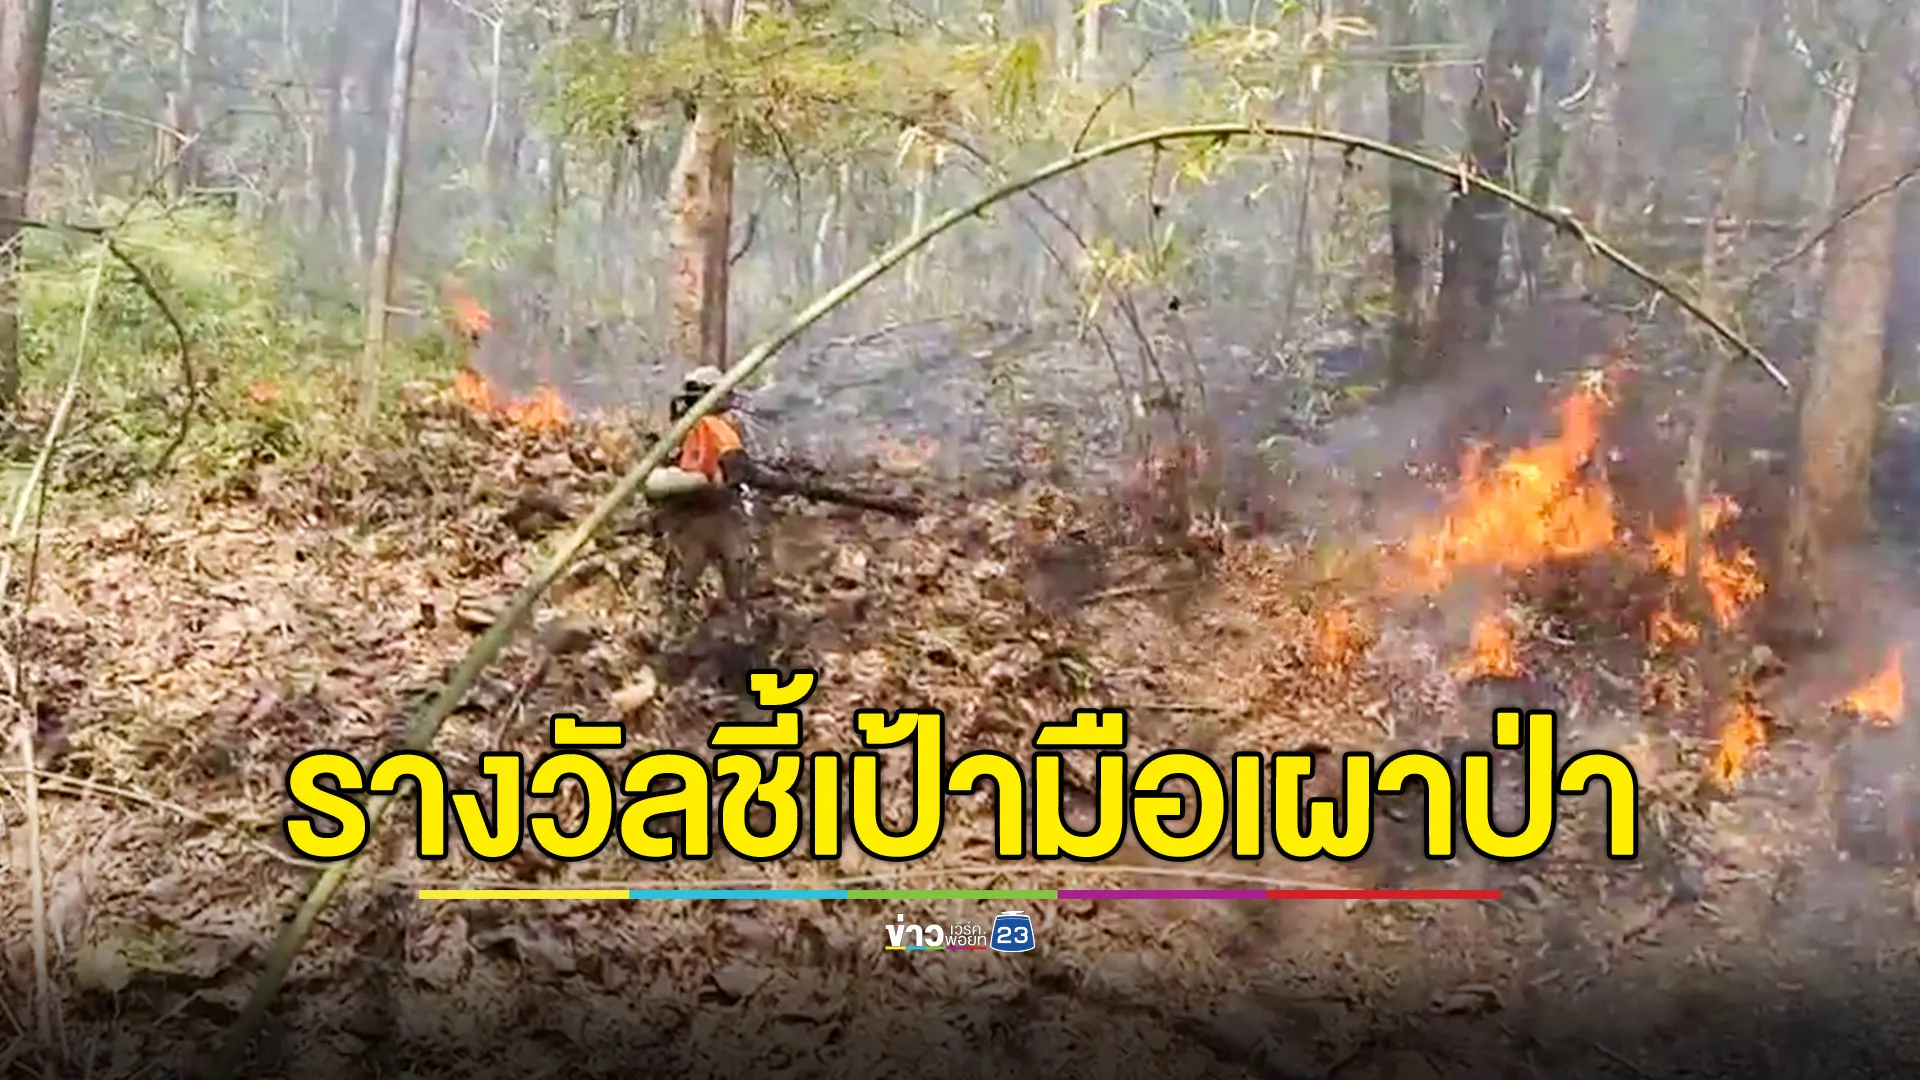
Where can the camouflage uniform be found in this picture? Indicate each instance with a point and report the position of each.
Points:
(707, 526)
(702, 530)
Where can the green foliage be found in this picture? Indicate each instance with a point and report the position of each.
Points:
(803, 89)
(267, 384)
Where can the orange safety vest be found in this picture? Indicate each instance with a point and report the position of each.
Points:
(710, 440)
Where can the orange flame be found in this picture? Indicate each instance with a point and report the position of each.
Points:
(544, 411)
(1533, 507)
(1339, 638)
(1493, 654)
(1668, 628)
(474, 391)
(1732, 581)
(1882, 698)
(1740, 736)
(465, 317)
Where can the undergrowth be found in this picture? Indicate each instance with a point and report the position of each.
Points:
(261, 382)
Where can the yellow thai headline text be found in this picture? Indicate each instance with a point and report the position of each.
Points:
(669, 809)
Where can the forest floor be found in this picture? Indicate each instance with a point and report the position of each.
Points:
(181, 655)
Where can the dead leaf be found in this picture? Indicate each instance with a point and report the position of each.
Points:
(438, 954)
(1472, 999)
(100, 966)
(810, 1004)
(739, 980)
(478, 613)
(630, 698)
(545, 948)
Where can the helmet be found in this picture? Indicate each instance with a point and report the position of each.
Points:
(703, 378)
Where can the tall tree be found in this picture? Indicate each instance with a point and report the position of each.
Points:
(1476, 224)
(1613, 25)
(183, 107)
(1556, 84)
(392, 182)
(701, 226)
(1407, 198)
(1839, 412)
(23, 59)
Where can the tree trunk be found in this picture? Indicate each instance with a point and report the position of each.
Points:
(183, 114)
(392, 182)
(1556, 82)
(619, 27)
(1064, 55)
(1731, 192)
(1731, 195)
(1613, 24)
(23, 56)
(702, 225)
(1839, 412)
(1476, 222)
(1825, 179)
(490, 135)
(1408, 218)
(353, 223)
(922, 192)
(330, 146)
(824, 230)
(1090, 37)
(1303, 261)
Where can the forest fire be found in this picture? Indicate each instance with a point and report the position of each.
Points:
(1741, 734)
(466, 317)
(1732, 582)
(541, 412)
(1493, 654)
(1882, 699)
(1534, 506)
(1339, 639)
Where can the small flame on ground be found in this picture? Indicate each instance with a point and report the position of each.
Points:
(1883, 698)
(1741, 734)
(1732, 582)
(542, 411)
(1339, 638)
(465, 315)
(1668, 628)
(1493, 654)
(474, 391)
(1534, 506)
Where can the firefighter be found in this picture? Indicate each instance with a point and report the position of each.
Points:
(701, 515)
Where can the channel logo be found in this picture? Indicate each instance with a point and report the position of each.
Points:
(1012, 932)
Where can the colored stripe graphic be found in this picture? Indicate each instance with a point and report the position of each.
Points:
(959, 894)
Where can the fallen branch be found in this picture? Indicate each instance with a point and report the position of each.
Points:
(426, 726)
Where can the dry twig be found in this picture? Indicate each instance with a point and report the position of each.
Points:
(23, 501)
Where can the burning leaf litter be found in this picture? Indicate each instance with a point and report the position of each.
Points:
(542, 412)
(1493, 654)
(1882, 698)
(1742, 733)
